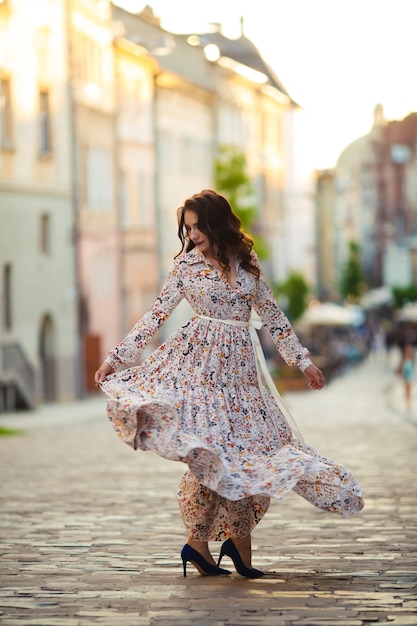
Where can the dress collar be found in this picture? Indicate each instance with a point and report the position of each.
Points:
(194, 256)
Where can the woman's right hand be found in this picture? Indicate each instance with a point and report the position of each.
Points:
(314, 376)
(104, 370)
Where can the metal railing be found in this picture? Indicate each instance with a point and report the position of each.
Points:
(17, 378)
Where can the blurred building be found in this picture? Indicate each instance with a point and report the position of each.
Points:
(326, 229)
(371, 198)
(38, 321)
(396, 201)
(135, 170)
(108, 122)
(94, 102)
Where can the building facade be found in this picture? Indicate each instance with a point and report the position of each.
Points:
(38, 322)
(135, 163)
(370, 198)
(93, 100)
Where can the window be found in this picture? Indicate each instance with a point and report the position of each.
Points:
(87, 59)
(166, 150)
(7, 300)
(104, 275)
(45, 146)
(123, 201)
(145, 198)
(99, 184)
(6, 136)
(44, 235)
(195, 156)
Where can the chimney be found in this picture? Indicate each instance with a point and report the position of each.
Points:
(215, 27)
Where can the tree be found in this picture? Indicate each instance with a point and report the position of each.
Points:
(403, 295)
(231, 179)
(295, 291)
(352, 280)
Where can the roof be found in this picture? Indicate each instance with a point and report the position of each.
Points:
(243, 51)
(144, 28)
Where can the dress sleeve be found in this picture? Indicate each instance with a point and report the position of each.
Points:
(127, 351)
(278, 325)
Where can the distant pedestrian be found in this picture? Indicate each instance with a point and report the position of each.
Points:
(199, 398)
(408, 373)
(378, 343)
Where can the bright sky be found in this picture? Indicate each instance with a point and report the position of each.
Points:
(337, 58)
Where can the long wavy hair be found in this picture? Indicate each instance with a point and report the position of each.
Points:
(222, 227)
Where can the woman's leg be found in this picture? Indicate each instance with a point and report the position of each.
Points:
(407, 384)
(210, 517)
(203, 548)
(244, 547)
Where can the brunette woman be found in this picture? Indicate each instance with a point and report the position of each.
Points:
(206, 399)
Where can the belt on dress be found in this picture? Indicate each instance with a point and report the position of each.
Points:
(262, 371)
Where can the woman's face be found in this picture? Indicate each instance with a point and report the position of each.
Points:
(200, 239)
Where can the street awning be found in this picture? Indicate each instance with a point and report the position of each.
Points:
(374, 298)
(331, 314)
(407, 314)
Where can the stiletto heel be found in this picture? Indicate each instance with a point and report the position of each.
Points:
(229, 549)
(204, 567)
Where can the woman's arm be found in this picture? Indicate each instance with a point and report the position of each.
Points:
(282, 333)
(127, 351)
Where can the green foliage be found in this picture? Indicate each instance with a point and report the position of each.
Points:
(231, 179)
(7, 432)
(295, 290)
(403, 295)
(352, 280)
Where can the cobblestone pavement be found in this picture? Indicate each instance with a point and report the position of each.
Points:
(91, 533)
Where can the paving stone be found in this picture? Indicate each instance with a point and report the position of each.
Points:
(66, 621)
(397, 620)
(91, 533)
(329, 622)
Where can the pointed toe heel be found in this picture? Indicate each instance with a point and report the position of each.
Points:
(229, 549)
(188, 554)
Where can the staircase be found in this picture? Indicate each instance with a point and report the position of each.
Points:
(17, 379)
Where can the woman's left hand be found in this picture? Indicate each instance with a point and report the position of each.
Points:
(314, 376)
(104, 370)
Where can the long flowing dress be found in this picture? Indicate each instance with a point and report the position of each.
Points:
(198, 399)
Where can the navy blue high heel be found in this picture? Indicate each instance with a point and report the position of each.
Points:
(204, 567)
(229, 549)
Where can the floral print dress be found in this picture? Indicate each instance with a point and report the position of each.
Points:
(197, 399)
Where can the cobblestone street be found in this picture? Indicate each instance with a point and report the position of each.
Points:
(91, 532)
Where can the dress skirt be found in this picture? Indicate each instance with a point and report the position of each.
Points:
(197, 400)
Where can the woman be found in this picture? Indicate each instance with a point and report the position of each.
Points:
(407, 368)
(199, 398)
